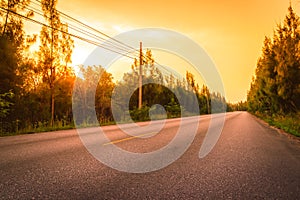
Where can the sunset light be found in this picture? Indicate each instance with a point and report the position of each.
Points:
(161, 99)
(230, 31)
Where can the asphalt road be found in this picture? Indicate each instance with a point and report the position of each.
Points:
(250, 160)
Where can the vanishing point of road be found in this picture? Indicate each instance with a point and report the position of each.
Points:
(249, 161)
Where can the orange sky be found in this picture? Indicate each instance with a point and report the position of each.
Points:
(232, 32)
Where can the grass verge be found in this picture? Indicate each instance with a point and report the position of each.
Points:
(289, 123)
(41, 129)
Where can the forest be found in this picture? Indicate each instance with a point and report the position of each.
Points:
(37, 88)
(274, 93)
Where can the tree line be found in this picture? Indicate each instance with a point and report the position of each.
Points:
(275, 89)
(36, 89)
(163, 95)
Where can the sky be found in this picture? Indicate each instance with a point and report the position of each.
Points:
(231, 32)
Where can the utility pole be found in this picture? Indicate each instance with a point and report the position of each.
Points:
(52, 68)
(140, 77)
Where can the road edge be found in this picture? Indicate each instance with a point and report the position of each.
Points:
(278, 130)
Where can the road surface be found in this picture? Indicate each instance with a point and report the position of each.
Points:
(250, 160)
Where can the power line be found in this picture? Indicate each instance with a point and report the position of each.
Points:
(73, 35)
(108, 44)
(91, 28)
(161, 66)
(86, 33)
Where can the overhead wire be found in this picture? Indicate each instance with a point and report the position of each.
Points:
(91, 28)
(70, 34)
(110, 44)
(84, 32)
(104, 41)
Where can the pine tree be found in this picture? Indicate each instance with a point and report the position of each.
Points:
(275, 88)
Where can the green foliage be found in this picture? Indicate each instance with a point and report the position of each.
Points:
(179, 98)
(12, 44)
(276, 86)
(218, 103)
(140, 114)
(173, 109)
(275, 91)
(27, 78)
(5, 104)
(157, 112)
(8, 65)
(239, 106)
(54, 53)
(11, 25)
(87, 100)
(289, 123)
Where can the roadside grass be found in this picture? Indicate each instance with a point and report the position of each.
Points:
(46, 129)
(57, 127)
(60, 125)
(30, 130)
(289, 123)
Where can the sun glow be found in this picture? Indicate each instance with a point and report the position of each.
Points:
(232, 32)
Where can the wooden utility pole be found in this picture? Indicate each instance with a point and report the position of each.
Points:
(52, 68)
(140, 77)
